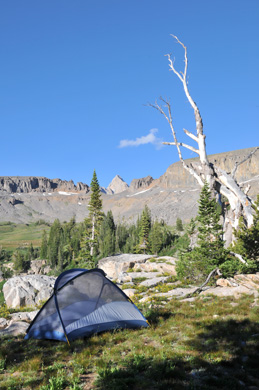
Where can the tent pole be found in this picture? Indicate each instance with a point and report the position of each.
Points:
(56, 303)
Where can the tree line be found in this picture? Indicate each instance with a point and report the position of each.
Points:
(199, 245)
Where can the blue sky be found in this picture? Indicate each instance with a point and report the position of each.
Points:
(75, 77)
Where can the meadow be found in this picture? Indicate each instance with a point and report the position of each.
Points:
(13, 236)
(206, 343)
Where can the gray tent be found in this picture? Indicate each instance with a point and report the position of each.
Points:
(84, 302)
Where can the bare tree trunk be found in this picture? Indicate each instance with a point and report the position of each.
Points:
(93, 236)
(220, 182)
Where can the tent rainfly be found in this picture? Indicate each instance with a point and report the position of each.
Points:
(84, 302)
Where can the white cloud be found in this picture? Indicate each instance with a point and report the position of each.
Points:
(145, 139)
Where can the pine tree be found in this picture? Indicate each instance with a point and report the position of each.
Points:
(30, 253)
(179, 225)
(247, 239)
(19, 262)
(55, 235)
(145, 226)
(95, 212)
(156, 238)
(121, 237)
(44, 245)
(107, 236)
(209, 252)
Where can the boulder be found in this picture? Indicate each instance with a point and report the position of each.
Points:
(27, 290)
(113, 266)
(244, 282)
(24, 316)
(156, 267)
(3, 323)
(250, 281)
(14, 329)
(39, 267)
(230, 291)
(226, 282)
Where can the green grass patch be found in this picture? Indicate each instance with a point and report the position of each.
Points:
(207, 344)
(14, 236)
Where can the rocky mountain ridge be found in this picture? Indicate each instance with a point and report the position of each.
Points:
(27, 184)
(174, 194)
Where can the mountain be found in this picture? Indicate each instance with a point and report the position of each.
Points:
(174, 194)
(117, 185)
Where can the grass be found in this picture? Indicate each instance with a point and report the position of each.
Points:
(13, 235)
(206, 344)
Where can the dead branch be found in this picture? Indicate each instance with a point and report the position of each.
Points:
(239, 257)
(199, 289)
(184, 146)
(191, 135)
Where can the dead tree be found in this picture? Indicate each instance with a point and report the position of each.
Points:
(220, 182)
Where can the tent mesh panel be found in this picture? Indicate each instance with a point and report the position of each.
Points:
(85, 294)
(48, 318)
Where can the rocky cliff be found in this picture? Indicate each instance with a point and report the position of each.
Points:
(27, 184)
(248, 172)
(174, 194)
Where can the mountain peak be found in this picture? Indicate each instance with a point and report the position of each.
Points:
(117, 185)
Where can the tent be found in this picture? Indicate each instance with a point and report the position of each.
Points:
(84, 302)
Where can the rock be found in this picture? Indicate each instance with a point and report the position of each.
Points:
(27, 184)
(24, 316)
(130, 292)
(124, 277)
(144, 182)
(226, 282)
(113, 266)
(39, 267)
(145, 299)
(247, 284)
(27, 290)
(230, 291)
(154, 281)
(14, 329)
(250, 280)
(177, 292)
(117, 185)
(3, 323)
(1, 276)
(147, 275)
(158, 267)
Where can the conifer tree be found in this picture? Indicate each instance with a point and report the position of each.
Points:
(247, 239)
(95, 212)
(54, 242)
(107, 236)
(145, 226)
(156, 238)
(19, 262)
(121, 237)
(209, 252)
(179, 225)
(44, 245)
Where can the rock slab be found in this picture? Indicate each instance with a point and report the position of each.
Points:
(113, 266)
(28, 290)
